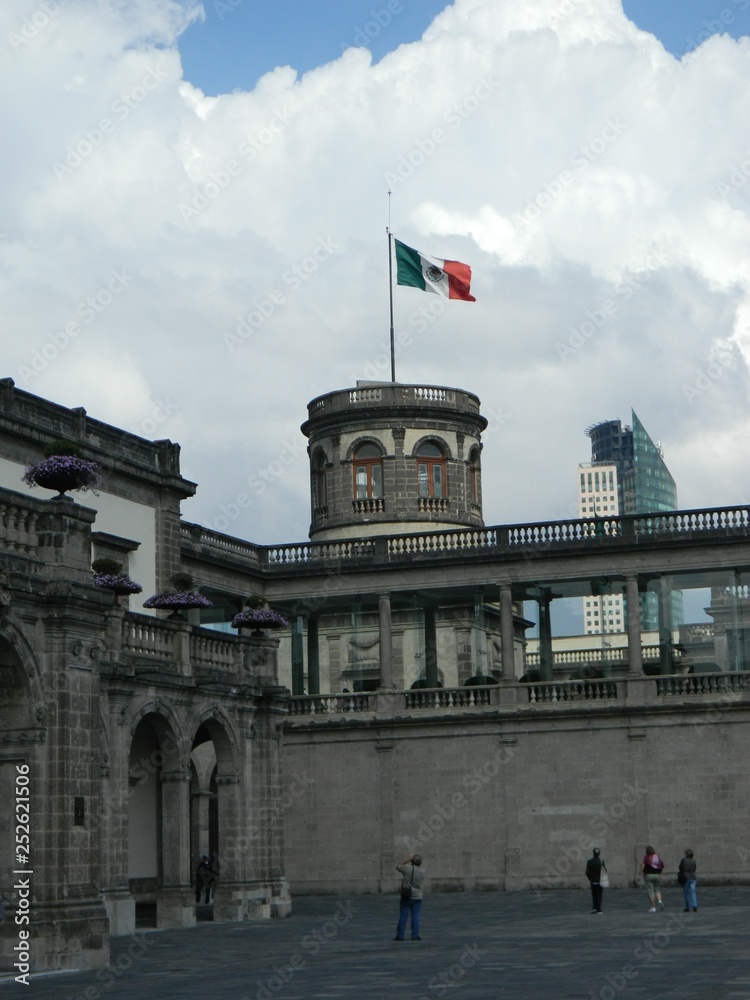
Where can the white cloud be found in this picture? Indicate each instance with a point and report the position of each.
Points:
(551, 144)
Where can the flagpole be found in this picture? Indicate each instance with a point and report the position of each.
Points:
(390, 289)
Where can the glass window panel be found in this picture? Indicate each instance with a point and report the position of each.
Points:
(361, 482)
(437, 478)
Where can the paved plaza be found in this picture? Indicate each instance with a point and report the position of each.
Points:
(503, 946)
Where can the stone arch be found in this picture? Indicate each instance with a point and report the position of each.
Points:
(432, 438)
(20, 680)
(362, 440)
(157, 804)
(17, 721)
(215, 805)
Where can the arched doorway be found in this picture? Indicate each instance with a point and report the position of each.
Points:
(16, 766)
(214, 813)
(158, 871)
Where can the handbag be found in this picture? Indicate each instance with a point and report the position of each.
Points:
(604, 878)
(681, 877)
(406, 889)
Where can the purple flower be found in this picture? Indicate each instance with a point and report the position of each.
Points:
(175, 600)
(119, 582)
(259, 618)
(63, 472)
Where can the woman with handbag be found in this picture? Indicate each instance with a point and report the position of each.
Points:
(686, 878)
(596, 873)
(651, 868)
(413, 876)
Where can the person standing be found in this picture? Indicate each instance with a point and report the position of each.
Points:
(651, 868)
(412, 877)
(594, 868)
(686, 878)
(206, 878)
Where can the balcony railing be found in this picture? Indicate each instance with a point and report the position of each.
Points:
(561, 537)
(490, 698)
(545, 693)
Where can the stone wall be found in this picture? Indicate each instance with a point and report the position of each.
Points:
(517, 800)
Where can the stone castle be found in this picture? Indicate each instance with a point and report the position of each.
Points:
(401, 709)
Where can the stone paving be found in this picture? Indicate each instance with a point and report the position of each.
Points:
(504, 946)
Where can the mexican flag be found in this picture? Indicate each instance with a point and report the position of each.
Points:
(450, 278)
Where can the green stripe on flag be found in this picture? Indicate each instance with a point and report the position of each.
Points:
(408, 266)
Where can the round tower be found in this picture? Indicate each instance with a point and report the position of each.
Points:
(388, 458)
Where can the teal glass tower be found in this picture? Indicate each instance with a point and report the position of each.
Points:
(645, 486)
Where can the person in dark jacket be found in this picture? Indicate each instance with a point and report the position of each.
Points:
(594, 868)
(686, 878)
(206, 878)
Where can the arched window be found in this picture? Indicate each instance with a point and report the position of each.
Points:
(320, 480)
(430, 470)
(368, 472)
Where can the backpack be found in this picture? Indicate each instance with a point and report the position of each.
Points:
(656, 862)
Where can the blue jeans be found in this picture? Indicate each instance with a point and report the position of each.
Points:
(689, 895)
(410, 906)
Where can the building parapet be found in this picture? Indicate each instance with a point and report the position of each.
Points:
(525, 540)
(514, 696)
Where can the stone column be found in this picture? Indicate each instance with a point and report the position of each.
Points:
(115, 827)
(430, 646)
(229, 901)
(386, 641)
(175, 900)
(546, 662)
(298, 660)
(635, 652)
(507, 638)
(313, 656)
(666, 650)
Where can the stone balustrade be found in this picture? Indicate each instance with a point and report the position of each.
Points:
(560, 537)
(515, 695)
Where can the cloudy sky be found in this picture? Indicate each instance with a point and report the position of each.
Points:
(194, 204)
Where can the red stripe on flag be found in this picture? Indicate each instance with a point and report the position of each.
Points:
(459, 280)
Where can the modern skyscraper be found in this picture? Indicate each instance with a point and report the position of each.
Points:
(627, 475)
(645, 483)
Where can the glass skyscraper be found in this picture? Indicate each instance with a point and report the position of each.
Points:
(644, 486)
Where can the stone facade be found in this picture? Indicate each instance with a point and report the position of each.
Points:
(147, 740)
(516, 796)
(398, 422)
